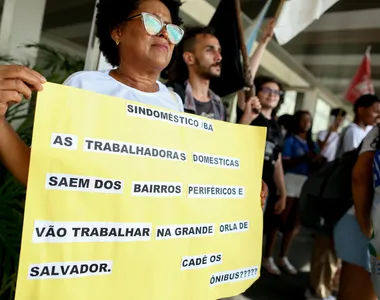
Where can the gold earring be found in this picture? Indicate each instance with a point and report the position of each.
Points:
(117, 43)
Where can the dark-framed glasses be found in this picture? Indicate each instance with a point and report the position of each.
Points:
(153, 26)
(268, 91)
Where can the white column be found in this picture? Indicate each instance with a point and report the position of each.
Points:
(309, 101)
(21, 24)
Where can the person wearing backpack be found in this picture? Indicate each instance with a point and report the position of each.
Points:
(351, 244)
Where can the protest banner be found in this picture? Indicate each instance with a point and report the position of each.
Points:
(127, 201)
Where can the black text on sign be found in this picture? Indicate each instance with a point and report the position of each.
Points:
(232, 227)
(70, 182)
(234, 275)
(216, 160)
(157, 189)
(215, 191)
(55, 270)
(169, 117)
(184, 231)
(200, 261)
(80, 232)
(64, 141)
(130, 149)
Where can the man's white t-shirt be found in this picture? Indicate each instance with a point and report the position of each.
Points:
(331, 146)
(367, 146)
(353, 136)
(101, 82)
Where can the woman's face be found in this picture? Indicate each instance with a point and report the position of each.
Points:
(137, 46)
(269, 95)
(305, 123)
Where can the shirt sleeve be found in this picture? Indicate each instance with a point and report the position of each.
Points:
(369, 143)
(287, 152)
(350, 140)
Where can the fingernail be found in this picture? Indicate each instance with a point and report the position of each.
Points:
(43, 79)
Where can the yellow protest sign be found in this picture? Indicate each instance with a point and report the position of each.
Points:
(127, 201)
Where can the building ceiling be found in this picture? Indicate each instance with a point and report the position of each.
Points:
(331, 48)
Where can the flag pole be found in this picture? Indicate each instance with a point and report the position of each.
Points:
(278, 11)
(247, 76)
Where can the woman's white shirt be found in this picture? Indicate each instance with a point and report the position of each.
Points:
(101, 82)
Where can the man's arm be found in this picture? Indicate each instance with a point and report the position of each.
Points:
(362, 190)
(255, 59)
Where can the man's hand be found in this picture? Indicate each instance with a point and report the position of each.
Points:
(251, 111)
(15, 82)
(280, 205)
(264, 193)
(267, 32)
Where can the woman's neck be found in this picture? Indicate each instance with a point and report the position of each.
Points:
(302, 135)
(145, 82)
(267, 112)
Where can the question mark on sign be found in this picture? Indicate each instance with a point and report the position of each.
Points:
(254, 271)
(245, 273)
(241, 273)
(249, 273)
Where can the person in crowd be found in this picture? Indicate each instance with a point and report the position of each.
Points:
(198, 60)
(325, 266)
(285, 123)
(299, 154)
(328, 139)
(137, 37)
(372, 143)
(352, 232)
(367, 110)
(270, 92)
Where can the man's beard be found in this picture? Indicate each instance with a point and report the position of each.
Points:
(207, 72)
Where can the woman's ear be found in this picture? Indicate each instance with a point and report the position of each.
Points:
(116, 35)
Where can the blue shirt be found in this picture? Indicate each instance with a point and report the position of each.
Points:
(296, 147)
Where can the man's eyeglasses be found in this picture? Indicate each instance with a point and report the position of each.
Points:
(153, 26)
(267, 90)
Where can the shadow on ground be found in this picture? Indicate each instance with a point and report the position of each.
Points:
(286, 287)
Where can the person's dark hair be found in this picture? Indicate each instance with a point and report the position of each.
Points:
(365, 101)
(259, 81)
(296, 128)
(338, 111)
(111, 13)
(285, 121)
(178, 71)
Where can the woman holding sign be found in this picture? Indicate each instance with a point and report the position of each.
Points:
(136, 37)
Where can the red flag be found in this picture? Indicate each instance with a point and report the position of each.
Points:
(362, 82)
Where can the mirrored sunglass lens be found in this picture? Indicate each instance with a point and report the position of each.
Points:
(174, 33)
(152, 24)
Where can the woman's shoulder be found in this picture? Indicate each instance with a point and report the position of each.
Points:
(79, 78)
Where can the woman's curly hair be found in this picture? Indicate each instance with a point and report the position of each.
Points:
(111, 13)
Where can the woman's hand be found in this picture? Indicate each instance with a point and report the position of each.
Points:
(280, 205)
(16, 82)
(251, 111)
(264, 193)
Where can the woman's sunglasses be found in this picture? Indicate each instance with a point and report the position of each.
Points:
(153, 26)
(268, 91)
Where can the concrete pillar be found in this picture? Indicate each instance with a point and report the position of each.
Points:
(309, 101)
(21, 23)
